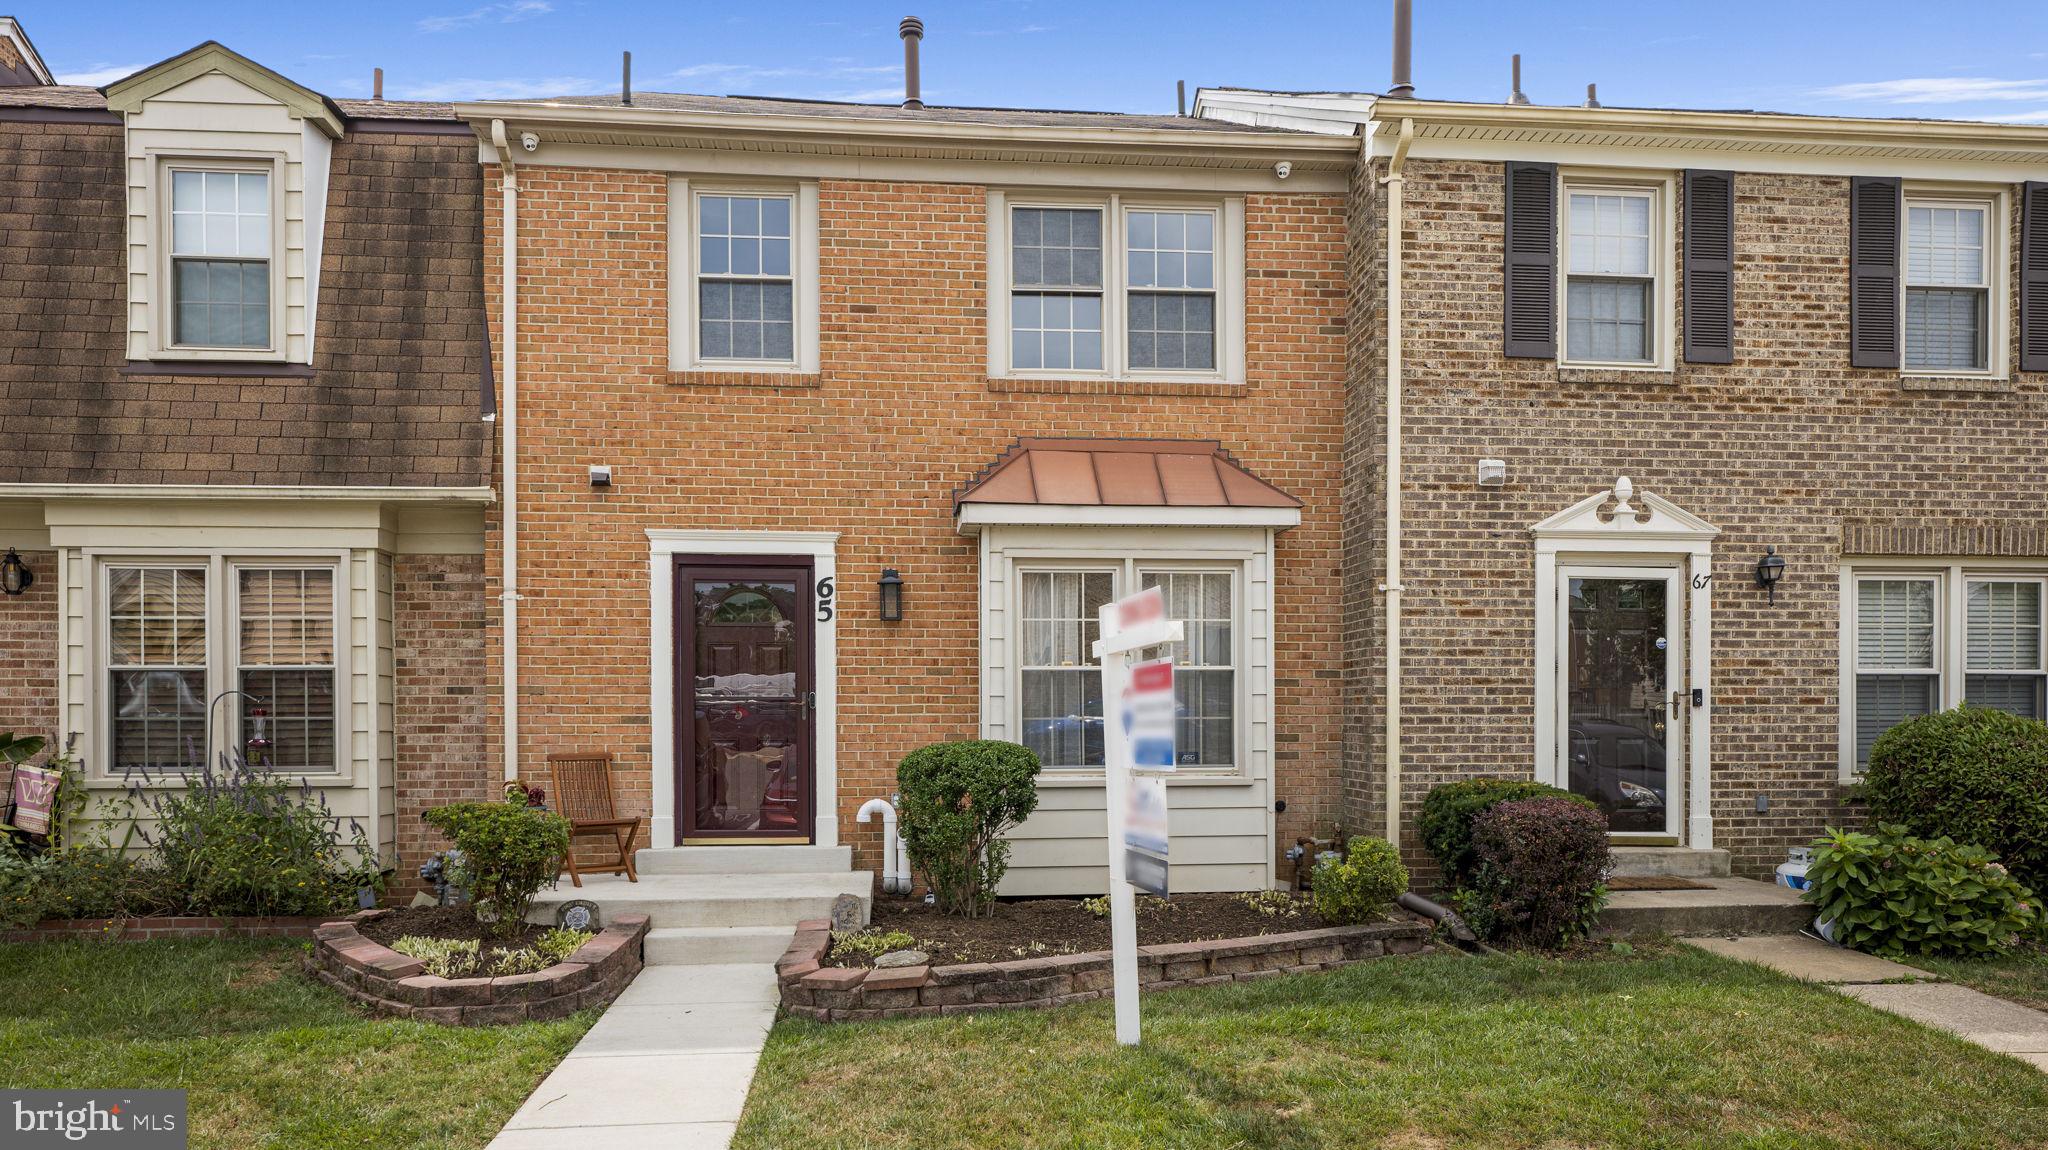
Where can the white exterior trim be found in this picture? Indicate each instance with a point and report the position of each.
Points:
(162, 492)
(682, 278)
(663, 544)
(1668, 537)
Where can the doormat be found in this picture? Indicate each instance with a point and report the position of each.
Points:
(1655, 882)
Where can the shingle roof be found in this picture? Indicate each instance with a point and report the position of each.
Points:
(1121, 473)
(1029, 117)
(53, 96)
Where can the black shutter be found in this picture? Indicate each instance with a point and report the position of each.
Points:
(1874, 207)
(1709, 267)
(2034, 276)
(1530, 302)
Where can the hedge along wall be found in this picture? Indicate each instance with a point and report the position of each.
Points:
(851, 993)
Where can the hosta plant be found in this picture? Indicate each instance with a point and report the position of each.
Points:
(1891, 894)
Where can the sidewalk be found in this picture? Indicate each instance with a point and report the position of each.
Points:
(667, 1066)
(1992, 1023)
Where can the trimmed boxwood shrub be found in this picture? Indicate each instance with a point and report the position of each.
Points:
(509, 852)
(1974, 775)
(1448, 811)
(1892, 894)
(958, 799)
(1539, 871)
(1360, 886)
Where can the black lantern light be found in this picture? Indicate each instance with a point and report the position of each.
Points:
(892, 595)
(1769, 570)
(15, 577)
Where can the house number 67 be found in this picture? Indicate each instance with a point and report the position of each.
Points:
(825, 593)
(1700, 581)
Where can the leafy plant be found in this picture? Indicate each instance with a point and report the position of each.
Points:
(466, 958)
(1277, 903)
(508, 854)
(1539, 871)
(82, 882)
(958, 799)
(867, 944)
(1449, 810)
(1361, 885)
(1893, 894)
(239, 839)
(1974, 775)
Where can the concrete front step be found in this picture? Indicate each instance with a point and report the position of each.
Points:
(797, 858)
(716, 945)
(1671, 862)
(1731, 906)
(713, 899)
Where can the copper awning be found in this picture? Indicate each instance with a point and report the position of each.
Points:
(1188, 473)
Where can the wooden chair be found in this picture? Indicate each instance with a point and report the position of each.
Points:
(583, 795)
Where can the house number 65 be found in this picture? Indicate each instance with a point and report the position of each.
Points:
(825, 593)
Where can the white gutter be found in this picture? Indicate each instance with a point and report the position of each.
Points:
(218, 492)
(508, 430)
(1394, 182)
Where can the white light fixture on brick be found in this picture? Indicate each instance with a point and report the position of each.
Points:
(1493, 473)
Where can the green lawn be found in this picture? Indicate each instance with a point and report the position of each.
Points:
(2021, 976)
(271, 1058)
(1669, 1048)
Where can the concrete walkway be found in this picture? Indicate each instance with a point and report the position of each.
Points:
(667, 1066)
(1992, 1023)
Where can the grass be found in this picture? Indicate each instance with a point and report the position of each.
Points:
(270, 1058)
(2021, 976)
(1665, 1049)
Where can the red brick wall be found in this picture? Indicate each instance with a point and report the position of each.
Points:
(443, 752)
(28, 655)
(1788, 446)
(902, 412)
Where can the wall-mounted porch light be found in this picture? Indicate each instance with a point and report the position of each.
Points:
(891, 585)
(1769, 570)
(15, 577)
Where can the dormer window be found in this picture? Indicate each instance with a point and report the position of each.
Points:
(220, 258)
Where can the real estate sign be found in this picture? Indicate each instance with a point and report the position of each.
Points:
(1147, 713)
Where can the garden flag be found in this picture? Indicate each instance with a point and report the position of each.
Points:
(35, 796)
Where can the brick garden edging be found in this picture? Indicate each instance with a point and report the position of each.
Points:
(393, 984)
(139, 928)
(852, 993)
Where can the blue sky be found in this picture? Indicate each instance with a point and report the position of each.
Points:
(1880, 57)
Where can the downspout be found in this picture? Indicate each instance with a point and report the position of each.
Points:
(1394, 182)
(508, 451)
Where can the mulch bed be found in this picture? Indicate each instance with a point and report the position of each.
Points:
(1035, 927)
(444, 922)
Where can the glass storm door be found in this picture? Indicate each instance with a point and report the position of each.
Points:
(1619, 661)
(745, 699)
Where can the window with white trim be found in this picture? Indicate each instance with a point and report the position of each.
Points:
(1204, 662)
(1117, 287)
(1059, 681)
(1939, 636)
(220, 266)
(1611, 281)
(248, 646)
(1947, 285)
(743, 276)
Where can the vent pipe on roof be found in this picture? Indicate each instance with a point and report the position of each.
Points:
(1180, 88)
(377, 84)
(1515, 95)
(1404, 37)
(1592, 96)
(912, 31)
(626, 81)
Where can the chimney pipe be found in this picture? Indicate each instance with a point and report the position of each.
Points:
(1515, 96)
(626, 81)
(1404, 38)
(1180, 88)
(912, 31)
(1592, 96)
(377, 84)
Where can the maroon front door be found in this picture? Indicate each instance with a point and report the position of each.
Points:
(744, 698)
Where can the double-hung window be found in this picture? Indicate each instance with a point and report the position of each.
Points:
(1611, 264)
(217, 654)
(1205, 663)
(746, 283)
(2002, 648)
(1947, 286)
(220, 258)
(1897, 673)
(1056, 288)
(1171, 258)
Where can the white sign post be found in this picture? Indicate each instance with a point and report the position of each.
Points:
(1129, 625)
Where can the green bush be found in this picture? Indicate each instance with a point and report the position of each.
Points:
(1360, 886)
(509, 852)
(82, 882)
(1974, 775)
(958, 799)
(466, 958)
(1539, 871)
(1448, 811)
(239, 839)
(1893, 894)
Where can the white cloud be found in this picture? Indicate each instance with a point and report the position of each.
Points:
(510, 12)
(2039, 116)
(1937, 90)
(503, 89)
(99, 75)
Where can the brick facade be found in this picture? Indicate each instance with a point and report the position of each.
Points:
(443, 756)
(28, 654)
(900, 414)
(1788, 446)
